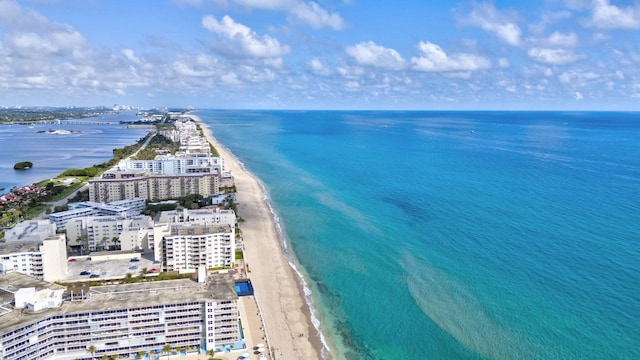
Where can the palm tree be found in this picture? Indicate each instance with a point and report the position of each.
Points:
(167, 349)
(116, 243)
(84, 243)
(211, 353)
(144, 272)
(105, 357)
(92, 350)
(187, 348)
(141, 354)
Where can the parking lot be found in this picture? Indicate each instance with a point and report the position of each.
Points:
(85, 268)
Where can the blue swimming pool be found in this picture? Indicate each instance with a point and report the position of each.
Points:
(244, 288)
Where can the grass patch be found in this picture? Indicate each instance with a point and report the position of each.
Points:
(239, 255)
(33, 212)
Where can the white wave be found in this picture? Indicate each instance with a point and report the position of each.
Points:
(283, 242)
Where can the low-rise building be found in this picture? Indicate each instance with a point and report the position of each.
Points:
(102, 232)
(30, 230)
(43, 259)
(122, 208)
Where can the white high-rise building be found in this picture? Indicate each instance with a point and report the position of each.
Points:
(187, 246)
(173, 165)
(215, 216)
(117, 320)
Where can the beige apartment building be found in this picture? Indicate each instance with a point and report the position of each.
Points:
(128, 185)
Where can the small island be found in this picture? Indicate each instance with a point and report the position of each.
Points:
(23, 165)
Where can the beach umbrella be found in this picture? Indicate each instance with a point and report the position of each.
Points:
(260, 345)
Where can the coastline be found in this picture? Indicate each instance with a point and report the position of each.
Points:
(278, 288)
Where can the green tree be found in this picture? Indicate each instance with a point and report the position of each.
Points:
(141, 354)
(116, 242)
(92, 350)
(84, 243)
(211, 353)
(167, 349)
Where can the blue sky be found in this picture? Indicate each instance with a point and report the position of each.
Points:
(299, 54)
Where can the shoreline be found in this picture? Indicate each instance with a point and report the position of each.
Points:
(279, 288)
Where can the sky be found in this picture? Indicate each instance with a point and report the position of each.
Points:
(322, 54)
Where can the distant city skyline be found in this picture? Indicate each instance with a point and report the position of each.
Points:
(299, 54)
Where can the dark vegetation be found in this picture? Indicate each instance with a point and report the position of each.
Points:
(23, 165)
(118, 154)
(158, 142)
(28, 115)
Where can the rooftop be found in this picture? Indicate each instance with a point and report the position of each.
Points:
(218, 287)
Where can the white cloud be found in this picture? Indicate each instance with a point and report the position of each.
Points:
(434, 59)
(487, 17)
(549, 18)
(130, 55)
(267, 4)
(610, 17)
(578, 96)
(312, 14)
(371, 54)
(230, 78)
(318, 68)
(577, 78)
(562, 40)
(248, 40)
(182, 68)
(553, 56)
(503, 63)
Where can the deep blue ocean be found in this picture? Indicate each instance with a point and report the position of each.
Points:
(52, 154)
(457, 235)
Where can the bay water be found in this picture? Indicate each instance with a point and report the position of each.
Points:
(80, 143)
(456, 235)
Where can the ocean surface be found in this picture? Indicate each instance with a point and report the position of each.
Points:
(456, 235)
(52, 154)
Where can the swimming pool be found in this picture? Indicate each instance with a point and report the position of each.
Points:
(244, 288)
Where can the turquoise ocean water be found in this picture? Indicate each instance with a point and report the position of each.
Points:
(457, 235)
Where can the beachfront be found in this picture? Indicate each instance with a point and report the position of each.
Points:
(278, 292)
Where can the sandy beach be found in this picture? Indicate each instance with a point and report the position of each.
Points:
(278, 290)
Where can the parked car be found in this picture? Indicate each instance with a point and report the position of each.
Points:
(85, 272)
(133, 267)
(134, 260)
(94, 276)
